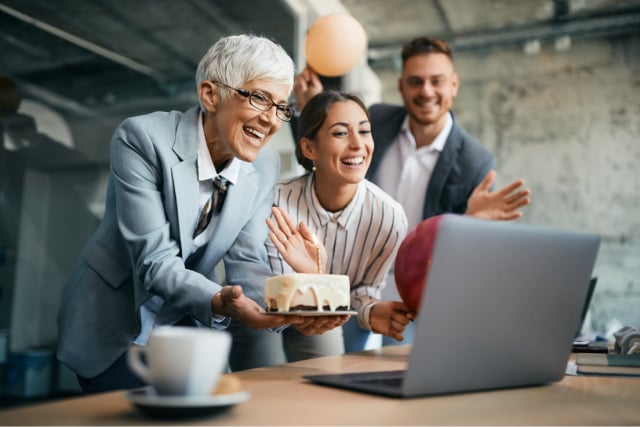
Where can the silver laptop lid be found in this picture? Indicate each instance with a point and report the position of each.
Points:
(501, 306)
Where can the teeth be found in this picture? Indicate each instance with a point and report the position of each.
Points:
(353, 161)
(255, 132)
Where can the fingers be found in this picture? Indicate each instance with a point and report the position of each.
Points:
(278, 242)
(233, 303)
(518, 202)
(280, 220)
(272, 225)
(263, 320)
(230, 301)
(282, 229)
(305, 232)
(277, 237)
(321, 324)
(399, 321)
(275, 231)
(290, 225)
(509, 199)
(311, 77)
(284, 222)
(508, 189)
(306, 85)
(259, 319)
(510, 216)
(518, 196)
(487, 181)
(397, 336)
(514, 202)
(301, 80)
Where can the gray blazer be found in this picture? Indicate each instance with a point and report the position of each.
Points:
(141, 248)
(461, 166)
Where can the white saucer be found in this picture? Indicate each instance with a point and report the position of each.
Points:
(149, 402)
(313, 313)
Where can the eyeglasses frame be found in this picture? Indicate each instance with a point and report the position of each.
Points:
(280, 108)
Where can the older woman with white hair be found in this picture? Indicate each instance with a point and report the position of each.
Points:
(186, 191)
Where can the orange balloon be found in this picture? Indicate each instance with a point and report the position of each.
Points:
(335, 44)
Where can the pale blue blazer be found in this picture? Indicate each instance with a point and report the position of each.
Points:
(141, 248)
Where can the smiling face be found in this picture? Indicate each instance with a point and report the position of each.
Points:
(233, 127)
(428, 86)
(343, 145)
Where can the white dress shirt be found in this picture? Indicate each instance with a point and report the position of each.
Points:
(404, 173)
(206, 174)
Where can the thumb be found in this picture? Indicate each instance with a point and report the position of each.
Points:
(229, 293)
(400, 306)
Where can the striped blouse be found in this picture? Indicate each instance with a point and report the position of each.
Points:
(361, 240)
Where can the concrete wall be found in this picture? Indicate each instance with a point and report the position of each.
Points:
(569, 124)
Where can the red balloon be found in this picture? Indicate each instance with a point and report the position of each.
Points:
(414, 259)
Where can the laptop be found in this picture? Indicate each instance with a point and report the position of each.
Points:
(587, 304)
(583, 343)
(500, 309)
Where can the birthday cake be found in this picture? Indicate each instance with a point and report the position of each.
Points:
(307, 292)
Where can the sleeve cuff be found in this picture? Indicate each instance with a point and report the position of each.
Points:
(364, 314)
(219, 322)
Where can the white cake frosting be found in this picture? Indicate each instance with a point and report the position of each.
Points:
(309, 292)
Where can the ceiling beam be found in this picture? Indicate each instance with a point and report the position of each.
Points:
(443, 17)
(85, 44)
(56, 100)
(588, 27)
(561, 9)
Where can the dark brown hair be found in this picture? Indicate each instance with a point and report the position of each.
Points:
(313, 116)
(425, 45)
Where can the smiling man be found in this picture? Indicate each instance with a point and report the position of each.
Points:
(423, 157)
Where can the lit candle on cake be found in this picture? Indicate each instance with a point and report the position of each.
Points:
(315, 242)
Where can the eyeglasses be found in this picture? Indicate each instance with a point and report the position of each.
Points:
(263, 102)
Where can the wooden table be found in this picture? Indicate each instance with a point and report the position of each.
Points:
(279, 396)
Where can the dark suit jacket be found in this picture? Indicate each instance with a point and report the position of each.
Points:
(462, 165)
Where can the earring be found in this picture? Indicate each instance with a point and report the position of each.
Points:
(313, 168)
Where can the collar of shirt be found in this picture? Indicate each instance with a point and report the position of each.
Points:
(206, 169)
(342, 217)
(407, 141)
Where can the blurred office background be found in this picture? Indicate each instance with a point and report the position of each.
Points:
(552, 87)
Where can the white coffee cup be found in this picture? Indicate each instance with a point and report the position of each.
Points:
(181, 361)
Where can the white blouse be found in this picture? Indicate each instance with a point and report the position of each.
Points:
(361, 240)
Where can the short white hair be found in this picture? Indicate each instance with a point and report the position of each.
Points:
(235, 60)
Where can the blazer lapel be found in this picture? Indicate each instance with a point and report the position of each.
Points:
(185, 178)
(441, 172)
(385, 126)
